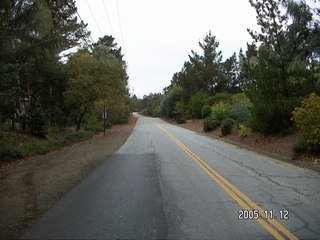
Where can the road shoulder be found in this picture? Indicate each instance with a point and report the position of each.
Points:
(30, 186)
(279, 148)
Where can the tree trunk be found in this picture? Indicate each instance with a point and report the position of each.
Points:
(80, 120)
(13, 123)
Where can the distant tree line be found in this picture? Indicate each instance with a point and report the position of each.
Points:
(40, 89)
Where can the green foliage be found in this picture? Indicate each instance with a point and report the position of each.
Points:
(226, 126)
(300, 147)
(197, 102)
(35, 148)
(203, 72)
(33, 34)
(181, 120)
(168, 103)
(149, 105)
(180, 110)
(231, 71)
(219, 97)
(240, 109)
(271, 116)
(206, 111)
(43, 147)
(8, 139)
(307, 119)
(7, 155)
(244, 131)
(276, 66)
(36, 120)
(156, 111)
(144, 112)
(120, 120)
(210, 123)
(91, 123)
(221, 111)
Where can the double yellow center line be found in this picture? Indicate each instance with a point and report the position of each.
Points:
(270, 225)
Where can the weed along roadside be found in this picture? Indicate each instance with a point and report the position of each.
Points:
(28, 187)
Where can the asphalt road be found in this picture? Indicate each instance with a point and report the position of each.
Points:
(167, 182)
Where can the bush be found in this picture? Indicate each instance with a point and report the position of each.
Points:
(39, 147)
(307, 119)
(156, 111)
(240, 109)
(210, 124)
(206, 111)
(7, 155)
(120, 120)
(75, 137)
(221, 111)
(270, 114)
(180, 110)
(37, 120)
(219, 97)
(167, 104)
(226, 126)
(300, 147)
(197, 103)
(8, 140)
(244, 131)
(35, 148)
(181, 120)
(90, 123)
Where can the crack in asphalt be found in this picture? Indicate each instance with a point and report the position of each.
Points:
(262, 175)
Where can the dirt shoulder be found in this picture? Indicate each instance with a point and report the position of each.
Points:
(28, 187)
(278, 147)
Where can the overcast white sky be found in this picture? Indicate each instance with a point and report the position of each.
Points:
(159, 35)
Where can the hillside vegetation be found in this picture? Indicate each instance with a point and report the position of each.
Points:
(272, 87)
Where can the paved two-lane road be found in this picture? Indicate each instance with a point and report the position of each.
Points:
(167, 182)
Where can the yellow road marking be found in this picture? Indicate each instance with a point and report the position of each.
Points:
(235, 193)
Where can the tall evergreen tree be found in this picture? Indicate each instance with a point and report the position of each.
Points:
(277, 67)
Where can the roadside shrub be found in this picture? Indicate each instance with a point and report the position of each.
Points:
(144, 112)
(287, 131)
(90, 122)
(36, 120)
(35, 148)
(197, 103)
(181, 120)
(269, 115)
(180, 110)
(108, 125)
(210, 124)
(76, 137)
(7, 155)
(52, 129)
(206, 111)
(240, 109)
(226, 126)
(244, 131)
(8, 139)
(300, 147)
(221, 111)
(307, 119)
(168, 102)
(156, 111)
(120, 120)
